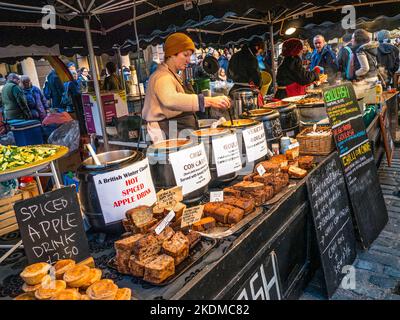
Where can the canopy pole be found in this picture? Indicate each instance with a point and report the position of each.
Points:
(120, 64)
(92, 58)
(273, 69)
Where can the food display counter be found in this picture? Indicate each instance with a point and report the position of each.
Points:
(272, 255)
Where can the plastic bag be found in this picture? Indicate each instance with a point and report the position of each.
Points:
(8, 188)
(67, 135)
(7, 139)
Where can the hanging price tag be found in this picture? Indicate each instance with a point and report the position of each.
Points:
(166, 221)
(261, 170)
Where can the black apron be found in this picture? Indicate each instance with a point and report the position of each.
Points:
(186, 120)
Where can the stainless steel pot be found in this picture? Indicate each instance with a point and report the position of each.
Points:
(243, 100)
(110, 161)
(272, 124)
(161, 168)
(206, 136)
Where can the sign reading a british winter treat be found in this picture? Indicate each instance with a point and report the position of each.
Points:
(121, 190)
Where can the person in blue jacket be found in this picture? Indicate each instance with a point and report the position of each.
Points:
(323, 56)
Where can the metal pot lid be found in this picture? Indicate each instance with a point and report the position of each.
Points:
(210, 132)
(276, 105)
(261, 114)
(111, 158)
(172, 144)
(240, 123)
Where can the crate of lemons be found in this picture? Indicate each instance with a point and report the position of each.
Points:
(68, 280)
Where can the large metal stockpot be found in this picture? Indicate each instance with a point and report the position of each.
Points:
(110, 161)
(243, 100)
(272, 124)
(161, 168)
(288, 116)
(206, 136)
(240, 125)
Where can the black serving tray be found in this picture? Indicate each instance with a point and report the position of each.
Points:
(195, 254)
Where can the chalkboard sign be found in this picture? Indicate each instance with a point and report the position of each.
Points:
(357, 161)
(51, 227)
(332, 220)
(262, 283)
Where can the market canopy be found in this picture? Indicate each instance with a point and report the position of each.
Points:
(111, 21)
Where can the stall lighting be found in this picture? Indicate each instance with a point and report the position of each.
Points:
(290, 31)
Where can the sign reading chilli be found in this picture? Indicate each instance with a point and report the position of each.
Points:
(190, 168)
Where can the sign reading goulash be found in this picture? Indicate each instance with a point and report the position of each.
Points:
(227, 154)
(51, 227)
(357, 161)
(124, 189)
(255, 142)
(191, 168)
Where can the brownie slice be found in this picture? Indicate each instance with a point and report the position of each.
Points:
(177, 247)
(210, 207)
(306, 162)
(159, 269)
(235, 216)
(249, 177)
(139, 215)
(232, 192)
(127, 243)
(146, 247)
(204, 224)
(248, 186)
(246, 204)
(136, 267)
(193, 237)
(266, 179)
(166, 234)
(269, 166)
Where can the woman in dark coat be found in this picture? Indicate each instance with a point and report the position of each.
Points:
(292, 78)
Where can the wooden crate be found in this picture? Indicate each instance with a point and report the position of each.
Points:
(8, 221)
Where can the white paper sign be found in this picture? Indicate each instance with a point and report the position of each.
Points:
(163, 224)
(190, 168)
(216, 196)
(255, 142)
(261, 170)
(227, 154)
(293, 145)
(124, 189)
(191, 215)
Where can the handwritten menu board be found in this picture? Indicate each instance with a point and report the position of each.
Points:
(357, 161)
(332, 220)
(51, 227)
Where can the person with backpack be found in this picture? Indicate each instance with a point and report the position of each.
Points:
(388, 55)
(345, 59)
(36, 101)
(14, 101)
(365, 60)
(53, 89)
(71, 88)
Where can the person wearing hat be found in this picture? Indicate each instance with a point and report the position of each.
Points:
(170, 104)
(388, 55)
(292, 78)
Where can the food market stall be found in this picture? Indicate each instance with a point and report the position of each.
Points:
(266, 214)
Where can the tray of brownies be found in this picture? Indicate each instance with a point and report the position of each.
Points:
(247, 199)
(154, 251)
